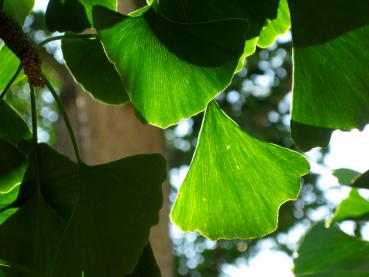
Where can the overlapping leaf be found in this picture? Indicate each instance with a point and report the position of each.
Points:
(73, 15)
(330, 63)
(330, 252)
(8, 66)
(171, 71)
(236, 183)
(90, 67)
(109, 209)
(353, 207)
(18, 9)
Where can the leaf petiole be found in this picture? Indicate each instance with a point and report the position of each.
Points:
(65, 117)
(7, 87)
(66, 36)
(35, 137)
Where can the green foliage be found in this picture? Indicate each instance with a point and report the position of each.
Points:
(330, 252)
(60, 218)
(231, 159)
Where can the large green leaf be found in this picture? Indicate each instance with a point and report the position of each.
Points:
(111, 223)
(110, 209)
(171, 71)
(330, 63)
(236, 183)
(13, 165)
(18, 9)
(353, 207)
(12, 127)
(73, 15)
(89, 65)
(8, 66)
(330, 252)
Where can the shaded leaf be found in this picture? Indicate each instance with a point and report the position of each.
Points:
(330, 63)
(362, 181)
(171, 71)
(330, 252)
(236, 183)
(346, 176)
(146, 265)
(90, 67)
(307, 137)
(12, 126)
(13, 165)
(73, 15)
(353, 207)
(18, 9)
(111, 222)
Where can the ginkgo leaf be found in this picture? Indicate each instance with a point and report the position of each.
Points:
(73, 15)
(13, 165)
(91, 68)
(18, 9)
(362, 181)
(13, 128)
(353, 207)
(346, 176)
(8, 66)
(330, 87)
(236, 183)
(171, 71)
(275, 26)
(330, 252)
(111, 223)
(109, 208)
(146, 265)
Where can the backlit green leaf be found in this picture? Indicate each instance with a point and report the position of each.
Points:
(18, 9)
(90, 67)
(236, 183)
(330, 252)
(353, 207)
(346, 176)
(330, 63)
(8, 66)
(13, 165)
(171, 71)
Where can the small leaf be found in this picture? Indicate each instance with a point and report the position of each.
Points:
(307, 137)
(171, 71)
(8, 66)
(330, 252)
(13, 129)
(346, 176)
(236, 183)
(18, 9)
(330, 63)
(353, 207)
(90, 67)
(13, 165)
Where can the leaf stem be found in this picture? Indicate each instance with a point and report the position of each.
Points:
(65, 117)
(35, 138)
(7, 87)
(67, 36)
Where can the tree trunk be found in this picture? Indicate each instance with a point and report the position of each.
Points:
(106, 133)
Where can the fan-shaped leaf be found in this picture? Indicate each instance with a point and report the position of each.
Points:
(171, 71)
(236, 183)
